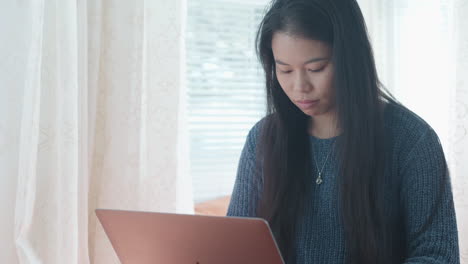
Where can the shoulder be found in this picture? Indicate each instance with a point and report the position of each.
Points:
(400, 120)
(404, 125)
(408, 132)
(255, 132)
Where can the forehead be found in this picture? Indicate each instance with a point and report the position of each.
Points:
(297, 50)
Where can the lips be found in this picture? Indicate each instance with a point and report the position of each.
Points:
(306, 101)
(306, 104)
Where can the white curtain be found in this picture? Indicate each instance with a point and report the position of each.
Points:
(421, 49)
(459, 123)
(91, 116)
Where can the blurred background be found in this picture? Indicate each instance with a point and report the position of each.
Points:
(145, 105)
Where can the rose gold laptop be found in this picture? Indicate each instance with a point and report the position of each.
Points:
(161, 238)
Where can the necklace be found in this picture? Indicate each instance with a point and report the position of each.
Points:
(319, 178)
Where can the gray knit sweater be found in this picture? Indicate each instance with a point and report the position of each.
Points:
(417, 160)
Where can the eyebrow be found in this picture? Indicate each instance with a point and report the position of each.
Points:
(307, 62)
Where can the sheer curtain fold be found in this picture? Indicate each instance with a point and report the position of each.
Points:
(99, 91)
(139, 145)
(48, 192)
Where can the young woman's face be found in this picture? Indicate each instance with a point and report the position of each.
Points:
(305, 73)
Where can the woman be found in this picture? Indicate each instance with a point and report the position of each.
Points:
(341, 171)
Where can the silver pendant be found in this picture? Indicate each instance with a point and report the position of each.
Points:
(319, 179)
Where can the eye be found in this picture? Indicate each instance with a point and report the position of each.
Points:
(318, 70)
(285, 72)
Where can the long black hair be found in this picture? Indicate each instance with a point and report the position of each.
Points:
(360, 101)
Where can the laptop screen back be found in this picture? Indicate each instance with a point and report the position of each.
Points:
(149, 238)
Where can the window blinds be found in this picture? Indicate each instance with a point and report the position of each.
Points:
(225, 86)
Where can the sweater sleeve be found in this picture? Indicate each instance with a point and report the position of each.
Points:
(424, 172)
(246, 190)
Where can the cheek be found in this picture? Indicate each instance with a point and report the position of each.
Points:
(326, 86)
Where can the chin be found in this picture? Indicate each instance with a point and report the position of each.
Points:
(312, 113)
(318, 111)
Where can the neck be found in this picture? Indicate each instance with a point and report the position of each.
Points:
(323, 126)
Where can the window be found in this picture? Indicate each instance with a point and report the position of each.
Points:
(225, 86)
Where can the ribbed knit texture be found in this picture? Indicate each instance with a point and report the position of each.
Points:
(417, 162)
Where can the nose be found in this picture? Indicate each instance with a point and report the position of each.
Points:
(302, 83)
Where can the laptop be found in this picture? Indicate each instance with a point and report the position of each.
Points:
(153, 238)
